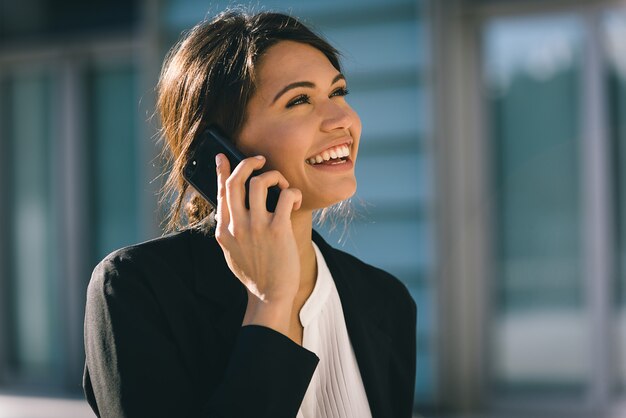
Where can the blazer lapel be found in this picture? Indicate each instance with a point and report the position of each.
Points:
(362, 310)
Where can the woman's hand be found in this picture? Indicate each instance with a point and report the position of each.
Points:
(259, 246)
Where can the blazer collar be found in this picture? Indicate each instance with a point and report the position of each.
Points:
(362, 299)
(363, 309)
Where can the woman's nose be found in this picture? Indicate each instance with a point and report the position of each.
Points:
(337, 116)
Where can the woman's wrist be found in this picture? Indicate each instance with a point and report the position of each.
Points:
(274, 314)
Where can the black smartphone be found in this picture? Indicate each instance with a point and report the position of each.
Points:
(199, 170)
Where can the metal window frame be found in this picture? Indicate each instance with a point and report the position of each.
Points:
(3, 233)
(461, 222)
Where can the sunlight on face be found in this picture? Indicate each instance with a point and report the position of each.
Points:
(300, 121)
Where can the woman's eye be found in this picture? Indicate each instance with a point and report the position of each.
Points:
(301, 99)
(341, 91)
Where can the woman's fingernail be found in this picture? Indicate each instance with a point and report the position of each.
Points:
(218, 160)
(259, 157)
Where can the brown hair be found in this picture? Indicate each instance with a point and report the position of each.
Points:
(208, 77)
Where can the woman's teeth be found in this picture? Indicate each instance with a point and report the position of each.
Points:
(340, 151)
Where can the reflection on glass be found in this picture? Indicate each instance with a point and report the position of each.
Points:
(114, 113)
(35, 342)
(532, 76)
(615, 36)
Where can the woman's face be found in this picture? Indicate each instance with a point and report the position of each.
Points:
(300, 121)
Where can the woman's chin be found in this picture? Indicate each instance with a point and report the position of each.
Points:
(327, 200)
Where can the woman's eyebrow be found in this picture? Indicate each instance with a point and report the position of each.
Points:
(291, 87)
(307, 84)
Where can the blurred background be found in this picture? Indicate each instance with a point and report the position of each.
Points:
(491, 182)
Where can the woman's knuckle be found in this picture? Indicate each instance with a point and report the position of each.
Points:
(220, 235)
(255, 181)
(250, 161)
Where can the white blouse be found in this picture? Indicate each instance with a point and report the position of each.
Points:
(336, 388)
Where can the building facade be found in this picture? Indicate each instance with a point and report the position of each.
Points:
(490, 183)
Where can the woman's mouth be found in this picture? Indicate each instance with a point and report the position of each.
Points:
(331, 156)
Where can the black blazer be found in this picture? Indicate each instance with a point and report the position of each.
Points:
(163, 336)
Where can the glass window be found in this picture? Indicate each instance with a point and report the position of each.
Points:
(615, 33)
(532, 72)
(180, 14)
(36, 331)
(34, 328)
(114, 114)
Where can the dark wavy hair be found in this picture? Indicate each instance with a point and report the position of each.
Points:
(208, 77)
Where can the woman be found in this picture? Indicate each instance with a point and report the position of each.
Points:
(244, 312)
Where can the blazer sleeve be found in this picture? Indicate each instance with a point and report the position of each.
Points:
(134, 368)
(406, 343)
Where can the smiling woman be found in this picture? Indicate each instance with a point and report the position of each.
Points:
(240, 311)
(308, 118)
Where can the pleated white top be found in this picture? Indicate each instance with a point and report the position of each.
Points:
(336, 389)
